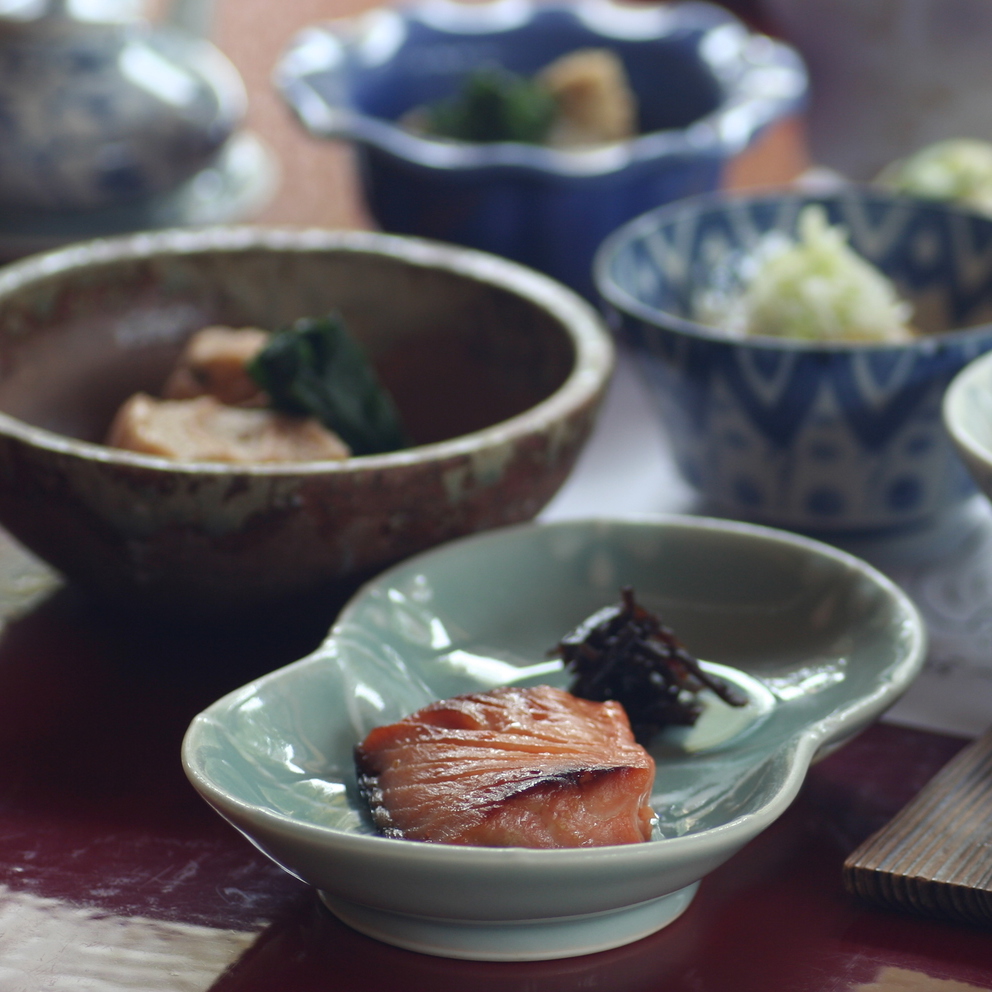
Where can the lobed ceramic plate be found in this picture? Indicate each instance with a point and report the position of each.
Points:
(819, 641)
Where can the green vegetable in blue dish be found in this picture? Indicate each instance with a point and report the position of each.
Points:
(494, 104)
(580, 100)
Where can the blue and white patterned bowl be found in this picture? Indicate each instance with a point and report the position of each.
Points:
(97, 116)
(828, 438)
(705, 85)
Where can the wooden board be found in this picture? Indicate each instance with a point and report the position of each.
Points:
(935, 856)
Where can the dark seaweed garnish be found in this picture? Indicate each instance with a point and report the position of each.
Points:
(625, 653)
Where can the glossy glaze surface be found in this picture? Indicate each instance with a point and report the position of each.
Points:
(498, 371)
(822, 644)
(826, 438)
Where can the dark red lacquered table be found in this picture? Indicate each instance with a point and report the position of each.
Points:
(113, 869)
(115, 875)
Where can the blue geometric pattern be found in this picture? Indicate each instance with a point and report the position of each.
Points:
(812, 436)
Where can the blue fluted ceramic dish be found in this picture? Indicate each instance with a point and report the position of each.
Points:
(819, 641)
(833, 438)
(706, 87)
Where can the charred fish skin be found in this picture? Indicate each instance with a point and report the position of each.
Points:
(514, 767)
(371, 795)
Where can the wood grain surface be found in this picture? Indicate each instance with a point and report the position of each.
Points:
(935, 856)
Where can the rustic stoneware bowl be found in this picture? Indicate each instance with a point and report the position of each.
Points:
(838, 439)
(497, 370)
(819, 643)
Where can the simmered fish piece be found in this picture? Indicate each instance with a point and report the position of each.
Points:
(206, 430)
(213, 364)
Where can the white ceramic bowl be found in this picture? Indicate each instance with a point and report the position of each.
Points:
(820, 642)
(967, 413)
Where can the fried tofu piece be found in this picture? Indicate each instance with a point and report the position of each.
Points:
(595, 102)
(205, 430)
(213, 364)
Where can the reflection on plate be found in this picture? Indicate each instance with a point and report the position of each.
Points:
(718, 724)
(238, 184)
(819, 642)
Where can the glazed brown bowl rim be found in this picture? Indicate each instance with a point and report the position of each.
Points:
(592, 343)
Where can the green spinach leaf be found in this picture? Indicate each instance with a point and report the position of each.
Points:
(495, 104)
(316, 368)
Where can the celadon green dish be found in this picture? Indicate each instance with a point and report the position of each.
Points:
(819, 641)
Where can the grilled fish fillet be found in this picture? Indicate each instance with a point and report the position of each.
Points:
(512, 767)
